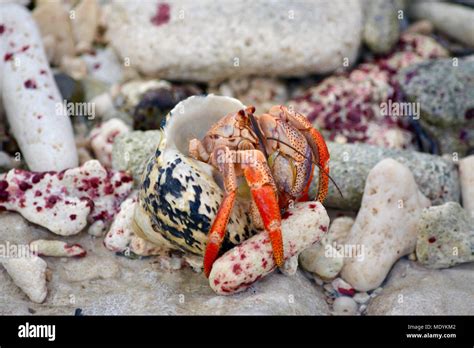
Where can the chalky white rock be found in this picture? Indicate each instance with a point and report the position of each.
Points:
(235, 38)
(466, 175)
(385, 227)
(242, 265)
(326, 259)
(344, 306)
(38, 120)
(29, 274)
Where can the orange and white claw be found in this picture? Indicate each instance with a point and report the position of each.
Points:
(217, 232)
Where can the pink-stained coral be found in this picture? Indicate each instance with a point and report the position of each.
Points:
(248, 262)
(56, 248)
(348, 107)
(121, 237)
(102, 139)
(64, 202)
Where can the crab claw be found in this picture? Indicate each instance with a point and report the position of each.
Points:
(264, 193)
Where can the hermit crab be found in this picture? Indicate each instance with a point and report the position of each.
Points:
(205, 196)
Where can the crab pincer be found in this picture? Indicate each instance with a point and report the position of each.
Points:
(263, 189)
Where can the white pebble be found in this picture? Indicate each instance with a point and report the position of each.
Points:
(385, 228)
(29, 274)
(290, 266)
(466, 176)
(344, 306)
(361, 297)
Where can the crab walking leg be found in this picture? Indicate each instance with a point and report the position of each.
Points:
(217, 232)
(304, 195)
(317, 142)
(264, 193)
(318, 146)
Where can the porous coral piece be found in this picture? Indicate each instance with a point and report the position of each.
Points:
(65, 201)
(246, 263)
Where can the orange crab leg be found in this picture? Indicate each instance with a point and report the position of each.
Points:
(318, 147)
(218, 229)
(258, 175)
(315, 138)
(217, 232)
(304, 195)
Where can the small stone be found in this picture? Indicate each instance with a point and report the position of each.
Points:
(385, 226)
(7, 162)
(445, 236)
(382, 26)
(466, 174)
(453, 20)
(323, 260)
(56, 248)
(85, 24)
(155, 104)
(74, 66)
(290, 266)
(102, 139)
(172, 263)
(97, 229)
(29, 274)
(52, 19)
(340, 229)
(361, 297)
(326, 259)
(131, 151)
(344, 306)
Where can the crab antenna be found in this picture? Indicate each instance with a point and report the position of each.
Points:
(256, 129)
(317, 164)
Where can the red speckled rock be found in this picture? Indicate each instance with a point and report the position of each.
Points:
(347, 107)
(64, 202)
(57, 248)
(241, 266)
(102, 139)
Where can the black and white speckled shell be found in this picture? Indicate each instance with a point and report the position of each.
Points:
(179, 195)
